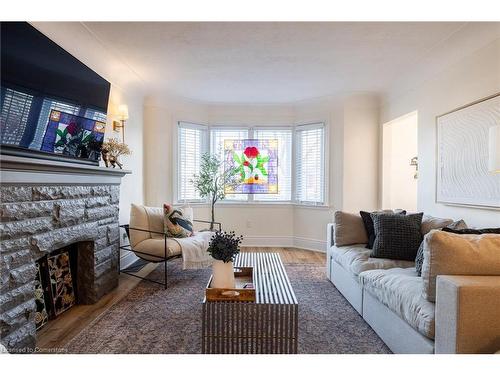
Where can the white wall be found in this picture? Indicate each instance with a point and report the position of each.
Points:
(399, 187)
(468, 79)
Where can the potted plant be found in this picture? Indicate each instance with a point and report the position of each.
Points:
(224, 247)
(211, 180)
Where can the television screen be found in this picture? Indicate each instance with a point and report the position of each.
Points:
(52, 105)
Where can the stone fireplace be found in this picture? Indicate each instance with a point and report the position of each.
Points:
(46, 206)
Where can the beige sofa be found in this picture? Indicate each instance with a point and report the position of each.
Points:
(452, 308)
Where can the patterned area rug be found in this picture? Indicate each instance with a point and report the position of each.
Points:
(151, 319)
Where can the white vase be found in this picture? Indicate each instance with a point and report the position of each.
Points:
(223, 275)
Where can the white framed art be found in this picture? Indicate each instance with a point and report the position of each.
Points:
(462, 155)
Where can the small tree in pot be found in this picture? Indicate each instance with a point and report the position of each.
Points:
(211, 180)
(224, 247)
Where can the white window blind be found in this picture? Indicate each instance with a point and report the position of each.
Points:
(218, 136)
(15, 110)
(310, 164)
(191, 145)
(95, 115)
(47, 106)
(284, 137)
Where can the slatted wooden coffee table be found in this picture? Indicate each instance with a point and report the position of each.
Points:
(268, 325)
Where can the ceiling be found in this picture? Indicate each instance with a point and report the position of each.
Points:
(269, 62)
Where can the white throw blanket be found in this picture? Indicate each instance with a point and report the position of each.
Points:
(194, 250)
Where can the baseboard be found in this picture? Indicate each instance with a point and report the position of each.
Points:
(267, 241)
(284, 241)
(126, 259)
(310, 244)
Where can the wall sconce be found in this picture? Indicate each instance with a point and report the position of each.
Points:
(494, 150)
(122, 116)
(414, 163)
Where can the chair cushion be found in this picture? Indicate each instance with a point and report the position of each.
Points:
(154, 248)
(454, 254)
(356, 259)
(348, 229)
(401, 291)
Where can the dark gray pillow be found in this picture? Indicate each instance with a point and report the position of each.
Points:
(456, 226)
(396, 236)
(368, 223)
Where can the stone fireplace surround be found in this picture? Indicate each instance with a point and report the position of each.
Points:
(45, 206)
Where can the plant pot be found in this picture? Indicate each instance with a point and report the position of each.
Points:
(223, 275)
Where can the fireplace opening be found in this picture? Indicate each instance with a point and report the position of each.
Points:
(56, 284)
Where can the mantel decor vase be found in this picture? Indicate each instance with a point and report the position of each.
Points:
(223, 275)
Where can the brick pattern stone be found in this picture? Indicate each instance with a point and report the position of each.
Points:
(36, 220)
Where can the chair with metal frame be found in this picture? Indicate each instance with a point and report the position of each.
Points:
(155, 254)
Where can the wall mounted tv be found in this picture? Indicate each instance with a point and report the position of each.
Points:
(53, 105)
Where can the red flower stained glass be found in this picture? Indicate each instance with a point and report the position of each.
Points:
(251, 152)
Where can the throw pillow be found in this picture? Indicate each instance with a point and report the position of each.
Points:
(419, 259)
(396, 236)
(452, 254)
(348, 229)
(368, 223)
(175, 223)
(430, 222)
(472, 231)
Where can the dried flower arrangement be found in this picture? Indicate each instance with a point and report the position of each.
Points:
(111, 150)
(224, 246)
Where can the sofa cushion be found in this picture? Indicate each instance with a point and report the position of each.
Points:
(419, 259)
(430, 222)
(396, 236)
(356, 259)
(401, 291)
(454, 254)
(348, 229)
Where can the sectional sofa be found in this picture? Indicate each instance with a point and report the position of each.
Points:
(454, 307)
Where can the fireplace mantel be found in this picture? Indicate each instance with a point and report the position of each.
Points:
(18, 169)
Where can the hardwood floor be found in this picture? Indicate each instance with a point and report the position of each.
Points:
(56, 333)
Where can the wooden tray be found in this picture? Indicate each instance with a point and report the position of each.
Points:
(242, 276)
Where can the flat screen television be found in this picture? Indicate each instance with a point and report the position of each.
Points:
(52, 105)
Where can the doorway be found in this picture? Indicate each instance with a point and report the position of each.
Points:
(400, 163)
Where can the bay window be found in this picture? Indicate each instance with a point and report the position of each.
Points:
(300, 181)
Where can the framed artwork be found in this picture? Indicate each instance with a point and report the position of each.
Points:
(462, 155)
(254, 163)
(72, 135)
(61, 282)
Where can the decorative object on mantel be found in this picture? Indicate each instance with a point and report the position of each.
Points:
(112, 149)
(463, 137)
(211, 180)
(122, 116)
(494, 150)
(223, 247)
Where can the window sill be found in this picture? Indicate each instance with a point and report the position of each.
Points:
(255, 204)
